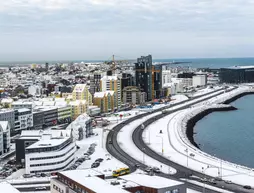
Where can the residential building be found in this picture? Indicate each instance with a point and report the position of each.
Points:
(81, 92)
(199, 80)
(166, 77)
(106, 101)
(132, 95)
(23, 119)
(8, 115)
(78, 107)
(49, 154)
(112, 83)
(237, 74)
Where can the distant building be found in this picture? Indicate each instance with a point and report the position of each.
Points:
(112, 83)
(166, 77)
(81, 92)
(199, 80)
(35, 90)
(132, 95)
(237, 74)
(148, 77)
(95, 83)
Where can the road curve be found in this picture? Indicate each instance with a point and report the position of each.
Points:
(115, 150)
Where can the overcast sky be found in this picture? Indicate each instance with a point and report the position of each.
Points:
(96, 29)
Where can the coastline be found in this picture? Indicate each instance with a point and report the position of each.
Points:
(192, 121)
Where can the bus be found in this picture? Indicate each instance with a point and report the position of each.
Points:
(121, 172)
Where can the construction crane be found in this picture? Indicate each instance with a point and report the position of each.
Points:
(113, 63)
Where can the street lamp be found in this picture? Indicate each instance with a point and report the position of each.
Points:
(143, 155)
(203, 171)
(187, 155)
(162, 150)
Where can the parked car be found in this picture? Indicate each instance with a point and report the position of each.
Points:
(247, 187)
(95, 165)
(156, 170)
(99, 160)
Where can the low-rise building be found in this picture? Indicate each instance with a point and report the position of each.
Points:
(23, 119)
(93, 110)
(64, 114)
(106, 101)
(8, 115)
(88, 181)
(49, 154)
(81, 127)
(78, 107)
(5, 137)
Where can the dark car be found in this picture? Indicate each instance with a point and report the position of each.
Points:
(99, 160)
(95, 165)
(110, 142)
(247, 187)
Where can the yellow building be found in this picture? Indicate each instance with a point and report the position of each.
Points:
(78, 107)
(107, 101)
(112, 83)
(81, 92)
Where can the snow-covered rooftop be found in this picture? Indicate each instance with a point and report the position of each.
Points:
(48, 142)
(7, 188)
(83, 173)
(96, 184)
(156, 182)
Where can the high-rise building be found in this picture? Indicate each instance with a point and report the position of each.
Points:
(148, 77)
(81, 92)
(112, 83)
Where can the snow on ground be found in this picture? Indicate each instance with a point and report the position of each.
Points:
(19, 173)
(107, 166)
(124, 139)
(207, 186)
(205, 91)
(177, 147)
(192, 191)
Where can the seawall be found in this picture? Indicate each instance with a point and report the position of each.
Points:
(191, 122)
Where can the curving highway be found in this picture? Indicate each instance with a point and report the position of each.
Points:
(115, 150)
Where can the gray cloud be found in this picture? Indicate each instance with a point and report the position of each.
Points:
(90, 29)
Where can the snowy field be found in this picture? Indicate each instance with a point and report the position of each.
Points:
(177, 147)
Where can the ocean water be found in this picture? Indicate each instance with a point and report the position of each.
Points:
(229, 135)
(195, 62)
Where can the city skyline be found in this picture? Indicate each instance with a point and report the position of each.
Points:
(94, 30)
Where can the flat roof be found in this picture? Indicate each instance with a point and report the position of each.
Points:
(82, 173)
(151, 181)
(240, 67)
(48, 143)
(97, 184)
(8, 188)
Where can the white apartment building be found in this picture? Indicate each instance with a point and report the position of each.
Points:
(112, 83)
(23, 119)
(49, 154)
(5, 137)
(199, 80)
(3, 82)
(166, 77)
